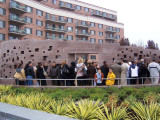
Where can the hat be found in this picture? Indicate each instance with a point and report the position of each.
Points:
(89, 61)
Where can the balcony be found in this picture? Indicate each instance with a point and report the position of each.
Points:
(82, 34)
(56, 30)
(110, 38)
(50, 37)
(111, 18)
(56, 21)
(66, 7)
(96, 14)
(17, 20)
(110, 31)
(82, 25)
(81, 40)
(17, 8)
(17, 32)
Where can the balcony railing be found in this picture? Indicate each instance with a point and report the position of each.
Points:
(17, 32)
(112, 18)
(110, 38)
(50, 37)
(111, 31)
(82, 25)
(17, 7)
(56, 20)
(81, 40)
(96, 14)
(66, 7)
(17, 19)
(56, 29)
(82, 34)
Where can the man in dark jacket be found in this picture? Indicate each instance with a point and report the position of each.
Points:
(142, 72)
(105, 70)
(54, 73)
(72, 73)
(91, 71)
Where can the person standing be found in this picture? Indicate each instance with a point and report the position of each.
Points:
(110, 78)
(128, 80)
(54, 73)
(40, 74)
(116, 70)
(124, 68)
(142, 72)
(91, 71)
(20, 75)
(30, 74)
(99, 78)
(72, 73)
(105, 70)
(154, 69)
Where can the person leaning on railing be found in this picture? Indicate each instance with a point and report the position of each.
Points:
(110, 78)
(20, 75)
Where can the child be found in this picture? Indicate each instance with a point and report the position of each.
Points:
(99, 77)
(110, 78)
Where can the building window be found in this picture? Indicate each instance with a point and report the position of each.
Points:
(47, 16)
(100, 26)
(13, 38)
(29, 9)
(111, 16)
(92, 32)
(28, 30)
(53, 35)
(68, 5)
(78, 7)
(93, 57)
(86, 9)
(4, 1)
(61, 36)
(92, 40)
(28, 19)
(84, 39)
(61, 18)
(69, 28)
(117, 36)
(97, 12)
(69, 37)
(54, 1)
(2, 36)
(61, 3)
(39, 33)
(69, 20)
(39, 12)
(110, 28)
(100, 41)
(2, 11)
(92, 24)
(39, 23)
(111, 35)
(2, 24)
(117, 29)
(100, 33)
(104, 14)
(47, 35)
(61, 27)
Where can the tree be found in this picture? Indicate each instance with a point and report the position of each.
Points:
(124, 42)
(152, 45)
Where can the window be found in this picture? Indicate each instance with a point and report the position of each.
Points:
(83, 31)
(28, 19)
(84, 39)
(69, 37)
(70, 28)
(104, 14)
(13, 38)
(100, 26)
(28, 30)
(78, 7)
(93, 57)
(61, 36)
(61, 3)
(39, 12)
(47, 16)
(68, 5)
(111, 16)
(54, 1)
(61, 27)
(47, 35)
(2, 24)
(69, 20)
(39, 33)
(61, 18)
(29, 9)
(86, 9)
(53, 35)
(92, 11)
(117, 36)
(110, 28)
(97, 12)
(2, 36)
(117, 29)
(4, 1)
(111, 35)
(39, 23)
(93, 32)
(83, 23)
(92, 40)
(92, 24)
(100, 41)
(100, 33)
(47, 25)
(2, 11)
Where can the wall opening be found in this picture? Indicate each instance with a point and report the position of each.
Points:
(36, 49)
(45, 58)
(50, 48)
(22, 52)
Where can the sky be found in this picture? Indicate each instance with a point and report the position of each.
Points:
(141, 18)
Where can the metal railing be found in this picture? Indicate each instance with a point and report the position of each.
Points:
(118, 80)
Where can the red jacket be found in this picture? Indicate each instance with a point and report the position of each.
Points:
(95, 76)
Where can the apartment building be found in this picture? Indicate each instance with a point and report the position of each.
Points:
(58, 19)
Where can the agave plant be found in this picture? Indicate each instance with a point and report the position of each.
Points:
(84, 109)
(146, 111)
(117, 113)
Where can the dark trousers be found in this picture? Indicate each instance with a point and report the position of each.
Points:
(142, 80)
(55, 82)
(81, 82)
(133, 80)
(20, 82)
(99, 84)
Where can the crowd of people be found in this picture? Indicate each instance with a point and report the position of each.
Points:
(119, 73)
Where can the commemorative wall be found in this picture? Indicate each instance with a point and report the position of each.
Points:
(13, 52)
